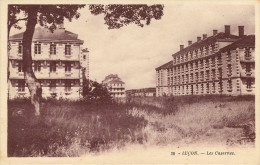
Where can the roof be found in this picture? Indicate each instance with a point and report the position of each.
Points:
(165, 66)
(115, 81)
(44, 34)
(245, 41)
(206, 41)
(142, 90)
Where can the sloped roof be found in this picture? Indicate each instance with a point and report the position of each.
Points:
(207, 41)
(44, 34)
(115, 81)
(245, 41)
(165, 66)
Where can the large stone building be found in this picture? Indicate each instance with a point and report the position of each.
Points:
(115, 85)
(57, 64)
(219, 64)
(143, 92)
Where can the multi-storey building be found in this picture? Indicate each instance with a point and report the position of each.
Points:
(143, 92)
(115, 85)
(84, 62)
(57, 64)
(220, 64)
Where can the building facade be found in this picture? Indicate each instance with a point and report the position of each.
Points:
(84, 62)
(115, 85)
(220, 64)
(57, 64)
(143, 92)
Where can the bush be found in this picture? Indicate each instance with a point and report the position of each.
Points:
(95, 92)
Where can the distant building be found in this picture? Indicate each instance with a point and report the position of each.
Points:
(84, 62)
(220, 64)
(57, 63)
(115, 85)
(143, 92)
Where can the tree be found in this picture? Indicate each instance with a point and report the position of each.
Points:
(48, 16)
(95, 92)
(115, 16)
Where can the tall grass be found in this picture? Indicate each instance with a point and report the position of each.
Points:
(70, 128)
(74, 128)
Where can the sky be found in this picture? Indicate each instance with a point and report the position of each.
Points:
(133, 52)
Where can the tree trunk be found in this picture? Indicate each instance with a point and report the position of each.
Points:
(33, 84)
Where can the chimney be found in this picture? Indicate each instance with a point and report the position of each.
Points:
(204, 36)
(189, 42)
(198, 39)
(240, 31)
(227, 29)
(181, 47)
(215, 32)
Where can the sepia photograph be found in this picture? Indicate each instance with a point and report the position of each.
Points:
(150, 82)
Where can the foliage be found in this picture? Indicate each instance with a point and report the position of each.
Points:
(48, 15)
(95, 92)
(116, 16)
(76, 128)
(70, 128)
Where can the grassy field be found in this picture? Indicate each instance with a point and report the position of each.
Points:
(78, 128)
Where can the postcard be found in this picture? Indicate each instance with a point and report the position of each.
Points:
(129, 82)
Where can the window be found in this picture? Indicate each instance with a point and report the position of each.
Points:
(201, 76)
(207, 62)
(196, 65)
(248, 68)
(207, 88)
(20, 48)
(191, 75)
(67, 49)
(67, 67)
(201, 63)
(247, 53)
(197, 76)
(213, 87)
(207, 74)
(37, 66)
(20, 67)
(220, 72)
(37, 48)
(219, 59)
(248, 84)
(213, 60)
(21, 86)
(53, 66)
(229, 56)
(212, 47)
(229, 70)
(67, 86)
(213, 73)
(229, 86)
(84, 57)
(53, 85)
(53, 49)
